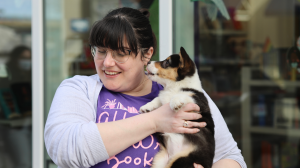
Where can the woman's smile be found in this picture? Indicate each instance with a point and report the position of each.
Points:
(111, 73)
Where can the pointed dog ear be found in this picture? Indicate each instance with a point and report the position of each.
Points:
(185, 60)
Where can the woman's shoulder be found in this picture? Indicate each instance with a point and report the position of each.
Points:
(83, 82)
(77, 79)
(84, 85)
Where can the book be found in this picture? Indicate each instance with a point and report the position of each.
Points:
(266, 154)
(275, 156)
(260, 111)
(289, 155)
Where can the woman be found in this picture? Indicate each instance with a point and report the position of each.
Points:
(17, 140)
(122, 44)
(19, 65)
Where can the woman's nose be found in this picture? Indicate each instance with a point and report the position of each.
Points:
(109, 61)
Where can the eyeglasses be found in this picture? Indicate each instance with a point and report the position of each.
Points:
(99, 53)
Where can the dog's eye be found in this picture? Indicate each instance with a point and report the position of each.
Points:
(165, 64)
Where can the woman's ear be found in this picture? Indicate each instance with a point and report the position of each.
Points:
(147, 56)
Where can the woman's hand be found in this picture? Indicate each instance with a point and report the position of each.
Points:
(197, 166)
(166, 120)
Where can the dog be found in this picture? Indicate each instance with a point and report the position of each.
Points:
(179, 77)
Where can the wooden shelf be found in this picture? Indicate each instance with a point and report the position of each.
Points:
(276, 131)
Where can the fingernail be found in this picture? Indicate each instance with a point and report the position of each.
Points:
(204, 124)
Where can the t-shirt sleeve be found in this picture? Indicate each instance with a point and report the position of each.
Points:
(226, 147)
(71, 135)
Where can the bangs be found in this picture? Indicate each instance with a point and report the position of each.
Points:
(112, 33)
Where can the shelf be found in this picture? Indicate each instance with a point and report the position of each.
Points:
(219, 61)
(281, 83)
(223, 32)
(22, 24)
(247, 129)
(86, 72)
(276, 131)
(22, 122)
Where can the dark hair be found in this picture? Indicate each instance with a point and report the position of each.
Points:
(292, 50)
(121, 23)
(16, 53)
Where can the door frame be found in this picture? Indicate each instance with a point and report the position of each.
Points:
(37, 24)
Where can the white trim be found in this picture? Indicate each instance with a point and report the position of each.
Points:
(165, 29)
(37, 84)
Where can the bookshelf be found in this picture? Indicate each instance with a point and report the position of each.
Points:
(248, 129)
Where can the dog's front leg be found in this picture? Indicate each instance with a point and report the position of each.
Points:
(179, 100)
(154, 104)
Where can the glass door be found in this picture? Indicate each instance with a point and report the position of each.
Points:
(15, 84)
(249, 64)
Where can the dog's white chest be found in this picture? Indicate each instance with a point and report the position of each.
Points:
(166, 96)
(175, 143)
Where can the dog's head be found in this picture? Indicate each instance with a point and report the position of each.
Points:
(173, 69)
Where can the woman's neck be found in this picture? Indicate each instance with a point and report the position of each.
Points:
(143, 88)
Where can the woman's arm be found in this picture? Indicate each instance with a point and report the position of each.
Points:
(223, 163)
(71, 135)
(226, 163)
(134, 129)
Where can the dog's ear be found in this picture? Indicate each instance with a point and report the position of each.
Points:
(185, 59)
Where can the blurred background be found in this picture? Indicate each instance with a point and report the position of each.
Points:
(247, 53)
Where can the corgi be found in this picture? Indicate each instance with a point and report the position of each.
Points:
(178, 74)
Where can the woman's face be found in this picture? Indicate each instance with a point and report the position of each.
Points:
(25, 60)
(121, 77)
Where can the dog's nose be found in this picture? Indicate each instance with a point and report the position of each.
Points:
(148, 62)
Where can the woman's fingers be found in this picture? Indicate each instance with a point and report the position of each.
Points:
(186, 116)
(191, 107)
(189, 127)
(190, 124)
(189, 115)
(197, 166)
(188, 130)
(166, 120)
(202, 124)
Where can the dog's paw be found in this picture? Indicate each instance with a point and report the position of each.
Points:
(146, 108)
(179, 101)
(176, 105)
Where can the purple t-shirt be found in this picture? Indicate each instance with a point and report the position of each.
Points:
(114, 106)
